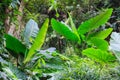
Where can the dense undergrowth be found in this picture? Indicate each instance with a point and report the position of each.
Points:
(59, 40)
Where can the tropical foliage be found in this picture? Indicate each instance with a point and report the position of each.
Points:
(59, 40)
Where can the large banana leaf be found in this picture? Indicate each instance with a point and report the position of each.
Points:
(64, 30)
(38, 42)
(98, 55)
(102, 34)
(95, 22)
(30, 31)
(14, 44)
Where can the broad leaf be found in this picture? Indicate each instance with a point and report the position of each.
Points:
(30, 31)
(102, 34)
(99, 43)
(95, 22)
(64, 30)
(14, 44)
(38, 42)
(115, 44)
(98, 55)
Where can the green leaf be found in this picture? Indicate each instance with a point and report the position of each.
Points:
(98, 55)
(102, 34)
(64, 30)
(95, 22)
(14, 44)
(99, 43)
(39, 40)
(72, 24)
(73, 27)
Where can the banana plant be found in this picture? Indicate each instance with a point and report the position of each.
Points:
(85, 34)
(40, 62)
(19, 48)
(38, 42)
(71, 33)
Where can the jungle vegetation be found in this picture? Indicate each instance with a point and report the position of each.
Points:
(60, 40)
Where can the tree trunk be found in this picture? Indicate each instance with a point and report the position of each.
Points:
(19, 18)
(10, 27)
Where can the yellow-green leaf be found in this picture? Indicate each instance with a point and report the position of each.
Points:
(102, 34)
(98, 55)
(39, 40)
(95, 22)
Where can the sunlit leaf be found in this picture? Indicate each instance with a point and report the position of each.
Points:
(95, 22)
(38, 42)
(98, 55)
(102, 34)
(99, 43)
